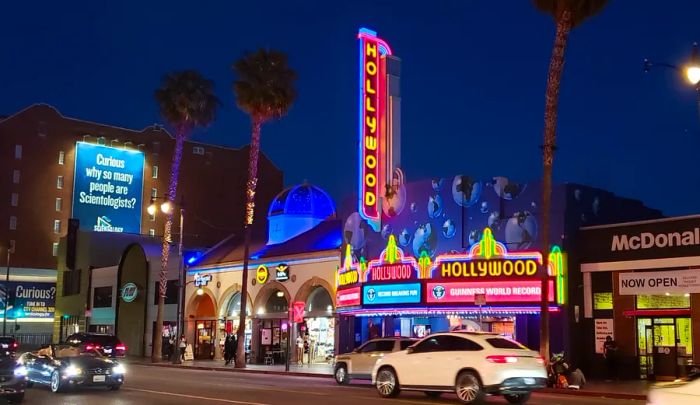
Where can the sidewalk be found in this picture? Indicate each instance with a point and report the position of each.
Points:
(634, 389)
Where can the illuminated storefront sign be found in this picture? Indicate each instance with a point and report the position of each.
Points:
(379, 294)
(282, 272)
(495, 291)
(262, 274)
(348, 298)
(372, 128)
(488, 268)
(108, 188)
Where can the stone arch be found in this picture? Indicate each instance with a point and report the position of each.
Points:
(267, 291)
(227, 295)
(311, 284)
(193, 305)
(130, 319)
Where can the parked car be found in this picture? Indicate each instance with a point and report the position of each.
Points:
(469, 364)
(359, 363)
(8, 345)
(64, 366)
(678, 393)
(13, 378)
(108, 345)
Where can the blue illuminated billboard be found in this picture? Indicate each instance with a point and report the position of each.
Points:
(379, 294)
(29, 299)
(108, 188)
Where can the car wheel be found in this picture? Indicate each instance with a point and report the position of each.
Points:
(468, 388)
(341, 374)
(115, 387)
(387, 383)
(433, 394)
(16, 398)
(56, 385)
(517, 398)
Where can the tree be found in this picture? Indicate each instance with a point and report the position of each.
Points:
(186, 100)
(264, 90)
(567, 14)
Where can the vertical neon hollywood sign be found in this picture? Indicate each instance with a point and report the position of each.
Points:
(372, 125)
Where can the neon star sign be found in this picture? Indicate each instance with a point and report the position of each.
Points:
(372, 123)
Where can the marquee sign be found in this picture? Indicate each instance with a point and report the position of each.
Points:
(372, 128)
(348, 298)
(488, 268)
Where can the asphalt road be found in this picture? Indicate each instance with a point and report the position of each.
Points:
(155, 385)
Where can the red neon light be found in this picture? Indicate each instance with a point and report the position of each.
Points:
(371, 131)
(348, 298)
(393, 272)
(496, 291)
(298, 307)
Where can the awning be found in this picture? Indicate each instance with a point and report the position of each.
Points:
(658, 312)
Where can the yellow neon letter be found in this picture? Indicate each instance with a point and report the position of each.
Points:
(368, 105)
(371, 50)
(368, 87)
(371, 143)
(370, 199)
(371, 122)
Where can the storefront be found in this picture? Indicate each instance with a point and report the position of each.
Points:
(488, 289)
(642, 288)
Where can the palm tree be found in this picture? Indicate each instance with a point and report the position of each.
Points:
(567, 14)
(186, 100)
(264, 90)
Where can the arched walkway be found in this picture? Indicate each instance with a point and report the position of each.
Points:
(264, 295)
(202, 324)
(310, 285)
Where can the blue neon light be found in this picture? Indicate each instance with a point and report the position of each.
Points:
(379, 294)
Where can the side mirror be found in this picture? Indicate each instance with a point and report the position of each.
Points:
(409, 350)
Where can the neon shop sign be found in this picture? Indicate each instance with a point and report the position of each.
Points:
(372, 123)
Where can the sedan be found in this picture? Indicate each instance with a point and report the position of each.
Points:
(62, 367)
(678, 393)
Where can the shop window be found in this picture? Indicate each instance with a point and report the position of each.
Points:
(102, 297)
(603, 301)
(663, 301)
(276, 304)
(170, 292)
(233, 309)
(319, 301)
(685, 336)
(15, 176)
(18, 151)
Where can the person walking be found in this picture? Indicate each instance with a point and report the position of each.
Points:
(300, 350)
(183, 347)
(610, 353)
(229, 349)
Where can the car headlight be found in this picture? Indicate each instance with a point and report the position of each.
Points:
(21, 371)
(72, 371)
(118, 369)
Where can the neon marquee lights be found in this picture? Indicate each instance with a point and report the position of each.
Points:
(372, 130)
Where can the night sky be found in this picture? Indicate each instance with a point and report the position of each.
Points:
(474, 75)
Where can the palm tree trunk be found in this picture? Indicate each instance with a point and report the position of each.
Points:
(249, 211)
(156, 354)
(556, 67)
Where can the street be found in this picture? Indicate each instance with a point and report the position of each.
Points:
(150, 385)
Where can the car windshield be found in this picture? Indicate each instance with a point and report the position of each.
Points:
(502, 343)
(65, 351)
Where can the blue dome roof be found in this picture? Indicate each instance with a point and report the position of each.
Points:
(304, 199)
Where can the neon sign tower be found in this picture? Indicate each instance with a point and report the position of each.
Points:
(379, 126)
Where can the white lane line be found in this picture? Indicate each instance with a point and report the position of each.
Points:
(172, 394)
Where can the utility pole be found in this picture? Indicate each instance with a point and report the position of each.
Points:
(7, 291)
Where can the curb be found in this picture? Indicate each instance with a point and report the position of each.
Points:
(600, 394)
(237, 370)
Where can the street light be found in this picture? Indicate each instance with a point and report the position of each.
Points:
(692, 71)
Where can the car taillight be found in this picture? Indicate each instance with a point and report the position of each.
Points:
(89, 347)
(15, 345)
(121, 347)
(502, 359)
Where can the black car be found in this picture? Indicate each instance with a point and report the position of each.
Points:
(108, 345)
(13, 379)
(64, 366)
(8, 345)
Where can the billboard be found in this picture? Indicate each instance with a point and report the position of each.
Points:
(31, 299)
(108, 188)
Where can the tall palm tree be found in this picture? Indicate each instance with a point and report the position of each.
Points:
(264, 90)
(186, 100)
(567, 14)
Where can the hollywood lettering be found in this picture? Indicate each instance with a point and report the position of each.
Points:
(396, 271)
(349, 277)
(488, 268)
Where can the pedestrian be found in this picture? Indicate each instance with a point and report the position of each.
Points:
(183, 347)
(171, 347)
(300, 350)
(610, 353)
(228, 349)
(234, 347)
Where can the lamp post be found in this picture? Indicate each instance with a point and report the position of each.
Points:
(691, 69)
(167, 207)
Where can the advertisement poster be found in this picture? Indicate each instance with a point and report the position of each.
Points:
(603, 329)
(108, 188)
(265, 336)
(31, 299)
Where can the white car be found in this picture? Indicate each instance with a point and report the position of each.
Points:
(360, 362)
(469, 364)
(681, 393)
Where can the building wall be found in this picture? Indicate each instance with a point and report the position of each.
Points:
(215, 209)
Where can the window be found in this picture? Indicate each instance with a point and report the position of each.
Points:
(57, 226)
(59, 182)
(101, 140)
(102, 297)
(71, 282)
(427, 345)
(151, 232)
(198, 150)
(14, 200)
(154, 171)
(15, 176)
(460, 344)
(385, 346)
(54, 249)
(59, 204)
(13, 222)
(151, 217)
(61, 157)
(154, 193)
(369, 347)
(500, 343)
(404, 344)
(18, 151)
(170, 292)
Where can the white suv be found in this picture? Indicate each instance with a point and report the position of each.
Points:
(469, 364)
(360, 362)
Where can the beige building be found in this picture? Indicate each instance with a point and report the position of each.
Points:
(296, 264)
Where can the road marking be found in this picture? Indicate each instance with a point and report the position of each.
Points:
(172, 394)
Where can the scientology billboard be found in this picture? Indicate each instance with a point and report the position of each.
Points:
(108, 188)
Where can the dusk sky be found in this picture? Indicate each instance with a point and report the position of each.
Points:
(474, 75)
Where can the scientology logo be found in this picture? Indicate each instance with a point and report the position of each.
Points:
(104, 224)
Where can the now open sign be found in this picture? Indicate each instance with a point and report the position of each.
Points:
(660, 282)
